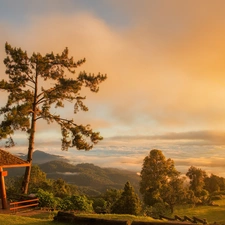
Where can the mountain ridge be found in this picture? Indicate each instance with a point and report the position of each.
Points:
(40, 157)
(88, 177)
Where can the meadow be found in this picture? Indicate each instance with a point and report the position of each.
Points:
(23, 220)
(210, 213)
(47, 219)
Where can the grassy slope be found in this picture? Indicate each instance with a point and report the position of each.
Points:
(121, 217)
(210, 213)
(47, 220)
(20, 220)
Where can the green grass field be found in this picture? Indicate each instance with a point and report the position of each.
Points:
(22, 220)
(121, 217)
(47, 219)
(210, 213)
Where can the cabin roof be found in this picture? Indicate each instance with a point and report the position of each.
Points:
(7, 160)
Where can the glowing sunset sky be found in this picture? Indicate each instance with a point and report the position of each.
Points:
(165, 61)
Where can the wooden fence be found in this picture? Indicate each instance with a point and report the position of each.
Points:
(24, 204)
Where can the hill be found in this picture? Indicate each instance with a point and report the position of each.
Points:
(89, 176)
(90, 179)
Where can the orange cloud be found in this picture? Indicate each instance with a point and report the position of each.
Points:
(165, 70)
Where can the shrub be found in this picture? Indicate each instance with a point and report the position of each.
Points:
(157, 209)
(46, 199)
(66, 204)
(81, 203)
(77, 202)
(100, 205)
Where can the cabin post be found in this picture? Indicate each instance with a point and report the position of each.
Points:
(2, 188)
(8, 160)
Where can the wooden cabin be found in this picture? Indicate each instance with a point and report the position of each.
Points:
(7, 160)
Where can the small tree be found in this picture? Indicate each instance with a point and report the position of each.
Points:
(128, 203)
(32, 97)
(77, 202)
(38, 179)
(60, 188)
(214, 183)
(111, 196)
(100, 205)
(173, 192)
(197, 178)
(46, 199)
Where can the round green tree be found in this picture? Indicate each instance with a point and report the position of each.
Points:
(156, 173)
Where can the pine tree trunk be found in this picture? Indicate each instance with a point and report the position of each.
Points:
(29, 156)
(26, 180)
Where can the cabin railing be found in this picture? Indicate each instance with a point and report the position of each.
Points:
(24, 204)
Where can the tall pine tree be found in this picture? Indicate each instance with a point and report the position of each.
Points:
(35, 85)
(128, 203)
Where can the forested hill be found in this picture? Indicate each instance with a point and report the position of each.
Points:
(90, 177)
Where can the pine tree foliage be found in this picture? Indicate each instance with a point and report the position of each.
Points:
(39, 84)
(28, 98)
(128, 203)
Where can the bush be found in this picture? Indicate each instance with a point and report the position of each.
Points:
(46, 199)
(100, 205)
(157, 209)
(66, 204)
(77, 202)
(81, 203)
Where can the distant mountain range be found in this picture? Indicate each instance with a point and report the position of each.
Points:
(90, 176)
(40, 157)
(91, 179)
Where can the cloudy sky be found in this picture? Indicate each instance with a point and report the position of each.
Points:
(165, 62)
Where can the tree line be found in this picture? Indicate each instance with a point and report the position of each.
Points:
(161, 183)
(59, 195)
(162, 188)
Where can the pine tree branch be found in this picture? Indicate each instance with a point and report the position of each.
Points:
(30, 86)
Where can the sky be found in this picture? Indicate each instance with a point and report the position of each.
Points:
(166, 76)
